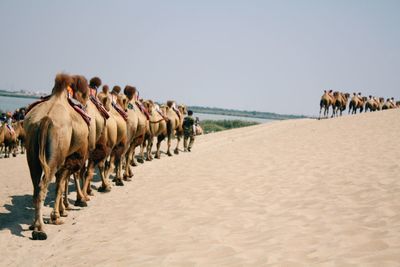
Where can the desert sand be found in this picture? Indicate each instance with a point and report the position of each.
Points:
(289, 193)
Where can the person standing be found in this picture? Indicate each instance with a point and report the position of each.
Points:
(189, 131)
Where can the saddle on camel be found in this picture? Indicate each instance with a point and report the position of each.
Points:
(75, 104)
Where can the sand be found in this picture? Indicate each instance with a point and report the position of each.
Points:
(289, 193)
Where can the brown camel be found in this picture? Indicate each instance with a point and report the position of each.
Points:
(174, 124)
(327, 100)
(1, 138)
(137, 126)
(21, 135)
(157, 128)
(357, 102)
(120, 132)
(340, 103)
(97, 147)
(56, 145)
(373, 104)
(10, 140)
(398, 104)
(389, 104)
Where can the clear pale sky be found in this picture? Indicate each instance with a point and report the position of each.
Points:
(275, 56)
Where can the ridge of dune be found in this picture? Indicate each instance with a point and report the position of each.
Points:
(288, 193)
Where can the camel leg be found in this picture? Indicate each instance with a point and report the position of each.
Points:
(178, 137)
(128, 171)
(160, 138)
(169, 145)
(132, 156)
(60, 177)
(141, 158)
(118, 171)
(105, 186)
(80, 193)
(111, 166)
(87, 191)
(149, 148)
(40, 185)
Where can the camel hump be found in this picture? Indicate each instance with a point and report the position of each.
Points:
(61, 82)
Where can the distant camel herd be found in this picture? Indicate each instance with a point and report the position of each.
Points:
(75, 129)
(339, 102)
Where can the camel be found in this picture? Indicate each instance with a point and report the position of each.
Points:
(10, 141)
(389, 104)
(357, 102)
(157, 128)
(19, 131)
(97, 149)
(137, 126)
(373, 104)
(117, 135)
(398, 104)
(56, 145)
(327, 100)
(340, 102)
(199, 130)
(1, 137)
(174, 124)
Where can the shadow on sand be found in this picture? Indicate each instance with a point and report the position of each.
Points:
(21, 211)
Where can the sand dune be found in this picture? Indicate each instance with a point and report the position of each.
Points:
(290, 193)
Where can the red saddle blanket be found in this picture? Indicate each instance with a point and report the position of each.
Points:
(120, 111)
(143, 110)
(100, 107)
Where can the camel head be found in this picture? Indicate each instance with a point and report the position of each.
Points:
(336, 94)
(182, 109)
(80, 89)
(347, 95)
(364, 98)
(130, 92)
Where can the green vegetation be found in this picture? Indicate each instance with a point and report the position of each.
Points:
(210, 126)
(243, 113)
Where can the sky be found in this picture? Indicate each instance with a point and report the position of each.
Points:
(273, 56)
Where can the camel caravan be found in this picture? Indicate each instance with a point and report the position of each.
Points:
(76, 129)
(339, 101)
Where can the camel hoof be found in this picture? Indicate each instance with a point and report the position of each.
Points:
(90, 193)
(169, 154)
(14, 155)
(64, 214)
(31, 227)
(57, 221)
(39, 235)
(176, 151)
(22, 152)
(140, 161)
(80, 203)
(133, 163)
(119, 183)
(127, 178)
(104, 189)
